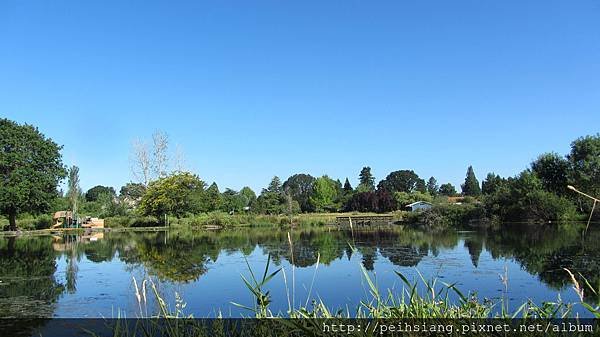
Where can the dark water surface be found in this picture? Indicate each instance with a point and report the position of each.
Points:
(91, 275)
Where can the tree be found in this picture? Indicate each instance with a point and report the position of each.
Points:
(362, 202)
(379, 201)
(74, 191)
(140, 162)
(233, 201)
(93, 193)
(107, 205)
(585, 164)
(176, 194)
(300, 188)
(366, 180)
(471, 185)
(324, 193)
(448, 189)
(491, 183)
(160, 142)
(402, 181)
(385, 202)
(524, 198)
(249, 195)
(213, 198)
(275, 185)
(150, 164)
(347, 187)
(402, 198)
(271, 199)
(291, 206)
(132, 192)
(553, 171)
(30, 169)
(432, 186)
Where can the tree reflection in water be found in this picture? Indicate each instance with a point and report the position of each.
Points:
(28, 265)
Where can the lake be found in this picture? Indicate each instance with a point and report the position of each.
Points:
(91, 274)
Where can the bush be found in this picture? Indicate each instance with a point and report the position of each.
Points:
(131, 221)
(442, 216)
(29, 222)
(548, 206)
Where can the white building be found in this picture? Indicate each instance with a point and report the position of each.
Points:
(419, 206)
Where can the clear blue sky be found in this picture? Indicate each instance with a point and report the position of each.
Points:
(252, 89)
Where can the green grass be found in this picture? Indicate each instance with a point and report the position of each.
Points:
(226, 220)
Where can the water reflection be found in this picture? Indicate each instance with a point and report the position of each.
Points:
(28, 286)
(28, 265)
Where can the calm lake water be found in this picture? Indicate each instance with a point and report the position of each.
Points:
(92, 275)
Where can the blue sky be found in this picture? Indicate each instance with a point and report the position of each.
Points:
(252, 89)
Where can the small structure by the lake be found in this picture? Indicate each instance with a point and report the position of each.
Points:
(418, 206)
(65, 219)
(364, 220)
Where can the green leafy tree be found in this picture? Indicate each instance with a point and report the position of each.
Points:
(325, 192)
(213, 197)
(30, 169)
(585, 164)
(448, 190)
(366, 180)
(93, 193)
(471, 185)
(553, 171)
(176, 194)
(402, 181)
(249, 195)
(492, 183)
(403, 198)
(432, 186)
(107, 205)
(524, 198)
(271, 199)
(300, 188)
(132, 192)
(233, 201)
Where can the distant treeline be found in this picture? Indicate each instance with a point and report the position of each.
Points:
(538, 193)
(31, 168)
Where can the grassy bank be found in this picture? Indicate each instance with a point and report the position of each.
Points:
(222, 219)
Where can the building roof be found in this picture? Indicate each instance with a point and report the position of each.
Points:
(418, 202)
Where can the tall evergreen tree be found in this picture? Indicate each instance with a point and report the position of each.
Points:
(214, 199)
(366, 180)
(471, 186)
(275, 185)
(432, 186)
(347, 186)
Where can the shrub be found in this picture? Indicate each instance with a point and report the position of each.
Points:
(440, 217)
(42, 221)
(131, 221)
